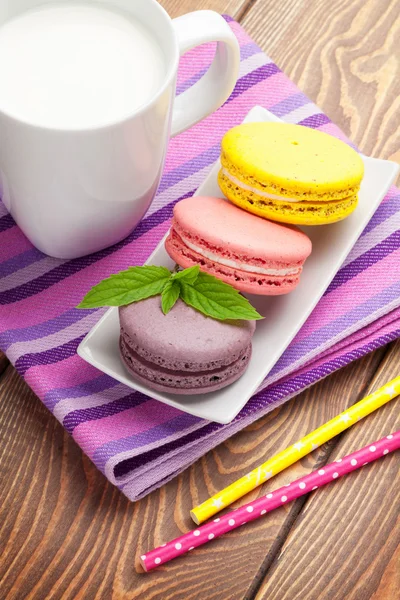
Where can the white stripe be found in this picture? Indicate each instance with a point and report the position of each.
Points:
(148, 474)
(374, 237)
(63, 408)
(303, 112)
(28, 273)
(253, 62)
(15, 351)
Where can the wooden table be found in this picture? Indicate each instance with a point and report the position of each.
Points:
(65, 532)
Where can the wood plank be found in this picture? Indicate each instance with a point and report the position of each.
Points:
(66, 532)
(345, 543)
(348, 63)
(234, 8)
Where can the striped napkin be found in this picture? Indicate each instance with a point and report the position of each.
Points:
(137, 442)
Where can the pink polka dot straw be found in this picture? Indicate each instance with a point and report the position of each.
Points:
(261, 506)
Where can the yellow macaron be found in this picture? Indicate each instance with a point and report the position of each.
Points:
(290, 173)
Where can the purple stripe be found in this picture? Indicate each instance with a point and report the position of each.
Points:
(71, 267)
(126, 466)
(321, 336)
(387, 209)
(179, 423)
(206, 158)
(315, 121)
(6, 222)
(252, 79)
(20, 261)
(289, 104)
(9, 337)
(293, 383)
(366, 260)
(246, 51)
(75, 418)
(229, 19)
(74, 266)
(94, 386)
(48, 357)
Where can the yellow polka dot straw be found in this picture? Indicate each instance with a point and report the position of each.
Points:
(293, 453)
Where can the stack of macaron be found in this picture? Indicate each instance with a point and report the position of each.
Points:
(286, 174)
(275, 176)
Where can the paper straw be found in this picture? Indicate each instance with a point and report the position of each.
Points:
(261, 506)
(291, 455)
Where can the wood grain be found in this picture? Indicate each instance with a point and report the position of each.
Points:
(175, 8)
(65, 532)
(345, 56)
(345, 542)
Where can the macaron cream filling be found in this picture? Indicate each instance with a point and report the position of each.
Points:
(181, 378)
(235, 264)
(149, 356)
(207, 251)
(254, 190)
(312, 202)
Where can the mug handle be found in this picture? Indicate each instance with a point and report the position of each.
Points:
(211, 91)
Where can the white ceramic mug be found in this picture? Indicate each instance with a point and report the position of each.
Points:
(73, 192)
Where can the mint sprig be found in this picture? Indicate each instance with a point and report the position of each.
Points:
(203, 292)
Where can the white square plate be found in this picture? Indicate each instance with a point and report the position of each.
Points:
(284, 315)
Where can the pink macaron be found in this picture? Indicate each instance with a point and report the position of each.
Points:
(252, 254)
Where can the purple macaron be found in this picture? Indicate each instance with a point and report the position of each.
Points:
(182, 352)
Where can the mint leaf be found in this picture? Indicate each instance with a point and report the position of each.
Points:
(217, 299)
(188, 275)
(170, 296)
(132, 285)
(201, 291)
